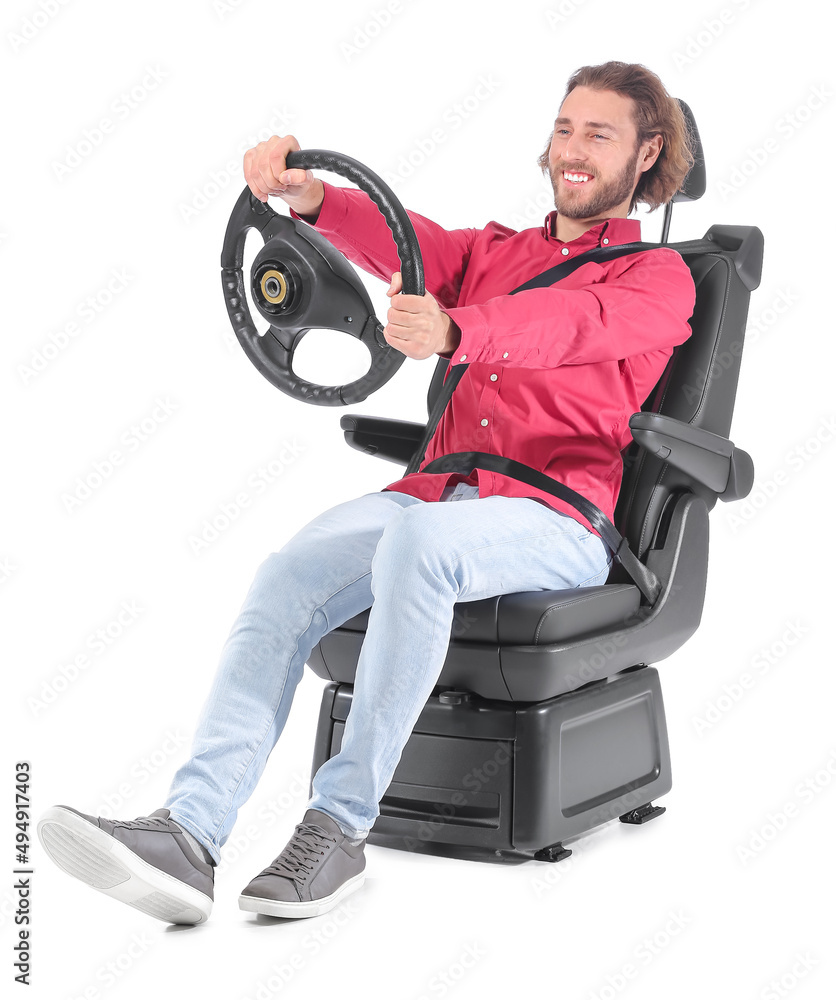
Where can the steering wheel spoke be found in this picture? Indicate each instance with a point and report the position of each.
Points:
(287, 341)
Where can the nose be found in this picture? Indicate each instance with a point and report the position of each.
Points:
(572, 147)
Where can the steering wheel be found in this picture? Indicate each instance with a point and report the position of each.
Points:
(299, 282)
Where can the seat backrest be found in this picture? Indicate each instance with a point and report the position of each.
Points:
(698, 387)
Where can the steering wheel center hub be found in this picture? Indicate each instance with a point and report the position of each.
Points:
(273, 286)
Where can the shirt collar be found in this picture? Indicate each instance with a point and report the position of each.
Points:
(614, 231)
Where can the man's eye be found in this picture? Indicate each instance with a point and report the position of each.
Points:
(560, 131)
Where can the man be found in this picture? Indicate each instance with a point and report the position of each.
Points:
(554, 374)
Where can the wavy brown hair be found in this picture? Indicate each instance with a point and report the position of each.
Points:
(655, 112)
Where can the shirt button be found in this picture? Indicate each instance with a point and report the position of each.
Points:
(462, 357)
(505, 355)
(493, 378)
(605, 240)
(484, 423)
(565, 251)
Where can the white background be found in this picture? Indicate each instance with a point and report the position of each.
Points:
(208, 82)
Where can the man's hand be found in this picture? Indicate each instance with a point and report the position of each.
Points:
(417, 327)
(265, 174)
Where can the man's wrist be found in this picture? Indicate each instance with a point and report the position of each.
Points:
(309, 211)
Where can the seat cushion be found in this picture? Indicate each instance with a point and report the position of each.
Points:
(545, 616)
(536, 617)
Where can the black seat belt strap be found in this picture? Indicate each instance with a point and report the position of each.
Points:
(452, 380)
(601, 254)
(466, 461)
(597, 254)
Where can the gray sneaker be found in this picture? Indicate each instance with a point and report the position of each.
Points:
(146, 863)
(318, 868)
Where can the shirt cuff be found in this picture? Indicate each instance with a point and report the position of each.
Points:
(470, 327)
(483, 341)
(475, 344)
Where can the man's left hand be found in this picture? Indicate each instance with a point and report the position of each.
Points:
(416, 325)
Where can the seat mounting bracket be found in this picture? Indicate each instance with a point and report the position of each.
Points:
(643, 814)
(556, 852)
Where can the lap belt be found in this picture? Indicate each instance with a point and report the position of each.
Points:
(465, 462)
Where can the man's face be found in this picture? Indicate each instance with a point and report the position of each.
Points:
(596, 140)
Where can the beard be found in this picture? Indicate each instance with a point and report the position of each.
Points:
(608, 194)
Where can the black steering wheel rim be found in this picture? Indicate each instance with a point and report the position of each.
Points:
(272, 353)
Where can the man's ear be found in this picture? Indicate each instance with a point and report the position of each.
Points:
(650, 150)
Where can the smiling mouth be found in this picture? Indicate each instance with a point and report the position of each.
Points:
(576, 178)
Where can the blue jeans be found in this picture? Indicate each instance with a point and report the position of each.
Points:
(408, 560)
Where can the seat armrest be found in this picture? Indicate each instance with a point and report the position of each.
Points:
(709, 458)
(392, 440)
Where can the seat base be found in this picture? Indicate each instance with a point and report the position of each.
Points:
(503, 781)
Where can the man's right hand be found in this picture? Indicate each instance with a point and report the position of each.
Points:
(266, 174)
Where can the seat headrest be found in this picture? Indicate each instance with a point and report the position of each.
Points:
(693, 186)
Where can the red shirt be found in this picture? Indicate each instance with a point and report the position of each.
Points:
(554, 373)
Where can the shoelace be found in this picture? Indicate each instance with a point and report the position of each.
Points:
(294, 860)
(145, 823)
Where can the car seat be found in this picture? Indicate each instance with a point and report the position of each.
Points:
(547, 719)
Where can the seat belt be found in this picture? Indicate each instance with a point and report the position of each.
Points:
(464, 462)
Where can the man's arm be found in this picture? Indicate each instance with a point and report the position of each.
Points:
(645, 308)
(351, 221)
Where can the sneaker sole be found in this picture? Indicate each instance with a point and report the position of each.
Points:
(307, 908)
(88, 853)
